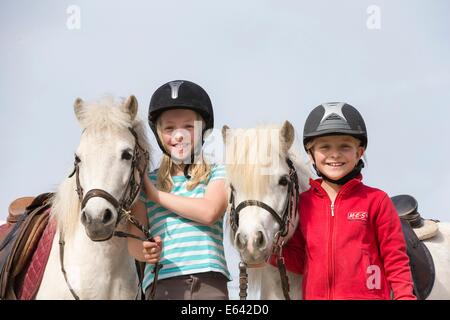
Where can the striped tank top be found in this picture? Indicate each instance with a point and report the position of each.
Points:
(188, 246)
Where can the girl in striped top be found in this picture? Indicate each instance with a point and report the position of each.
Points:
(184, 199)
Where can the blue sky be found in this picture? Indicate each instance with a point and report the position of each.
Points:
(260, 61)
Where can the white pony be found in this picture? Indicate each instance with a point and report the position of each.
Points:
(96, 268)
(255, 166)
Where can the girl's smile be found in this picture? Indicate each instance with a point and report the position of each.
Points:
(180, 150)
(335, 164)
(179, 130)
(336, 156)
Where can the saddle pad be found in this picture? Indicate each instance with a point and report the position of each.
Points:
(428, 230)
(35, 271)
(28, 246)
(18, 246)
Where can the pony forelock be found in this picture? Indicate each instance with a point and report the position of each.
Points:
(250, 153)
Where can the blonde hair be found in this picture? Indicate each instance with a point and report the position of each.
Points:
(199, 172)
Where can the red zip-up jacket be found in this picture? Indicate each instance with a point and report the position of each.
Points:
(352, 249)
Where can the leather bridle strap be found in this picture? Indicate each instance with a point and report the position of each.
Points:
(132, 187)
(248, 203)
(148, 237)
(243, 281)
(277, 252)
(61, 259)
(101, 194)
(283, 221)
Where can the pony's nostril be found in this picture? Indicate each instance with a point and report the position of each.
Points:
(107, 216)
(259, 241)
(84, 218)
(241, 241)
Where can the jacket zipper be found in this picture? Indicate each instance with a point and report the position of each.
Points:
(331, 255)
(330, 242)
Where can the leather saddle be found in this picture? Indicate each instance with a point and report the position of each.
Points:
(28, 217)
(420, 259)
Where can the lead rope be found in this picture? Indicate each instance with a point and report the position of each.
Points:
(282, 267)
(61, 259)
(157, 267)
(243, 281)
(148, 237)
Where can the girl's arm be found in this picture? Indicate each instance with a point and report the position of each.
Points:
(144, 251)
(206, 210)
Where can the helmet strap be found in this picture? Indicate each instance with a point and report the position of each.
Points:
(196, 152)
(186, 171)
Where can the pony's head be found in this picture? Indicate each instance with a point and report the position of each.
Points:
(259, 176)
(104, 161)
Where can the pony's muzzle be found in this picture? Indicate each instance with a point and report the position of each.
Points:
(240, 241)
(258, 241)
(106, 218)
(99, 226)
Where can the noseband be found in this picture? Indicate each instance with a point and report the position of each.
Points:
(290, 204)
(288, 214)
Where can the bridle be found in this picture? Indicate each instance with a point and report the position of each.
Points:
(139, 163)
(289, 214)
(123, 205)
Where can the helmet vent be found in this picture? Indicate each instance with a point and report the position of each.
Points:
(333, 116)
(175, 86)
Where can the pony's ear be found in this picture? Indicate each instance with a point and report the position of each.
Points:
(224, 132)
(131, 106)
(78, 108)
(287, 135)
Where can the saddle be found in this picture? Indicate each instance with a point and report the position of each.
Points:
(420, 259)
(19, 237)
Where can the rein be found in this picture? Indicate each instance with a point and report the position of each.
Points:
(123, 207)
(289, 212)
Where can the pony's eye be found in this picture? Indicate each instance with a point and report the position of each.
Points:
(283, 181)
(126, 155)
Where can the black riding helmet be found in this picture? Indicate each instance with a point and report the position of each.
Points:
(180, 94)
(336, 118)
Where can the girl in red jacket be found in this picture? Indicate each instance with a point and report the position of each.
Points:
(349, 243)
